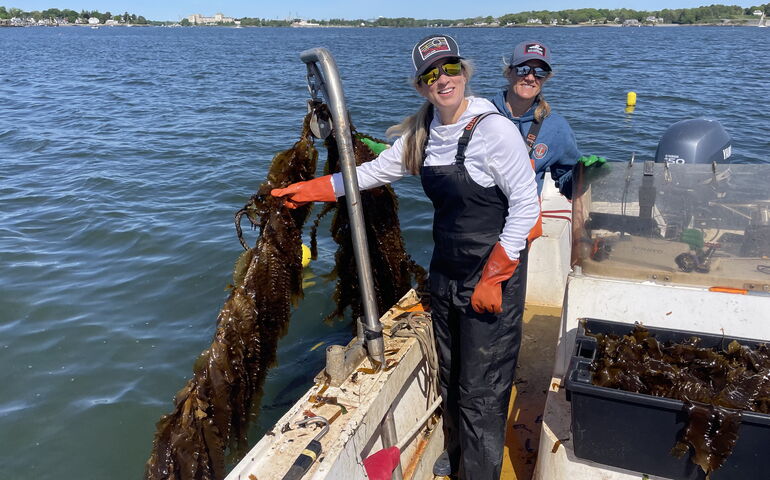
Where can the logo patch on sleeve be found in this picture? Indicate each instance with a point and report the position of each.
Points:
(540, 150)
(535, 48)
(433, 45)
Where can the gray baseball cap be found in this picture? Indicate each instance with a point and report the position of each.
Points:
(530, 50)
(432, 48)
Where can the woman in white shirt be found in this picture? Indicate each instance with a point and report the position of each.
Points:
(475, 169)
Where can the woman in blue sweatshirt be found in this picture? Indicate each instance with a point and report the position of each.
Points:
(548, 136)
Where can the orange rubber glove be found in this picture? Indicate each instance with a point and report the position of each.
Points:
(488, 294)
(316, 190)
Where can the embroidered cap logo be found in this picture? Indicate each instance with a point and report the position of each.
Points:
(434, 45)
(535, 48)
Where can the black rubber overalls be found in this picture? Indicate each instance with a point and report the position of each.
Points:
(477, 352)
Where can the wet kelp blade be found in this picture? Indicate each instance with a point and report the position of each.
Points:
(212, 411)
(394, 272)
(711, 432)
(714, 384)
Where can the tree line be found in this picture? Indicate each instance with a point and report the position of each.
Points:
(70, 16)
(682, 16)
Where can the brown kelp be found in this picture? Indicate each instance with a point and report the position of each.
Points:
(211, 412)
(711, 432)
(715, 384)
(393, 270)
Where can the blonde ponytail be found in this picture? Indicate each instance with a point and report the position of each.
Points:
(543, 108)
(415, 132)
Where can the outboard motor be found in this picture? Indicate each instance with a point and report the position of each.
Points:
(699, 140)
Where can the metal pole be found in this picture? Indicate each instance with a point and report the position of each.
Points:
(390, 439)
(332, 88)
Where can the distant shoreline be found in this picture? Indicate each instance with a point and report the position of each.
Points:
(600, 25)
(81, 25)
(711, 15)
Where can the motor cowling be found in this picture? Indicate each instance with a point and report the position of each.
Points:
(698, 140)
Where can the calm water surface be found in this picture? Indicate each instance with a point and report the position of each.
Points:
(125, 152)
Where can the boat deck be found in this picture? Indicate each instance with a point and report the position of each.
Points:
(534, 371)
(525, 412)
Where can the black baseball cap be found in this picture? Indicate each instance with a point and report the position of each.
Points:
(432, 48)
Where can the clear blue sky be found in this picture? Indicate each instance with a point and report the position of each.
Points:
(350, 9)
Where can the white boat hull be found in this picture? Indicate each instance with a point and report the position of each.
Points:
(549, 256)
(357, 433)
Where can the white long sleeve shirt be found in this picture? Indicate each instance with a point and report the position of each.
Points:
(496, 155)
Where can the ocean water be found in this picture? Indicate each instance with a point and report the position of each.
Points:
(125, 152)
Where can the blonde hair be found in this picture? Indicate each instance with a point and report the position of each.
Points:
(415, 127)
(543, 108)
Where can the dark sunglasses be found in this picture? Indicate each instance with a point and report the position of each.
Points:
(450, 69)
(538, 72)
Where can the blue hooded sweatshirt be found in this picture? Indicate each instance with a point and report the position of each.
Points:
(555, 147)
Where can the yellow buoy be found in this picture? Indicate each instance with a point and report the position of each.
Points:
(631, 99)
(305, 255)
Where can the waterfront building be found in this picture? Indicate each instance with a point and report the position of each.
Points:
(304, 23)
(198, 19)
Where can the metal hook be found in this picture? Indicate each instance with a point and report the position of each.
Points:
(317, 419)
(313, 449)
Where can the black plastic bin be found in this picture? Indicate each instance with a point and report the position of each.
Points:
(636, 432)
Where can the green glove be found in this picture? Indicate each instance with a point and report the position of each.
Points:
(376, 147)
(592, 171)
(589, 160)
(692, 237)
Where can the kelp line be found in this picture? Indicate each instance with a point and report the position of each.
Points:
(212, 412)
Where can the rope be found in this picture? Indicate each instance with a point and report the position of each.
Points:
(558, 217)
(557, 214)
(419, 325)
